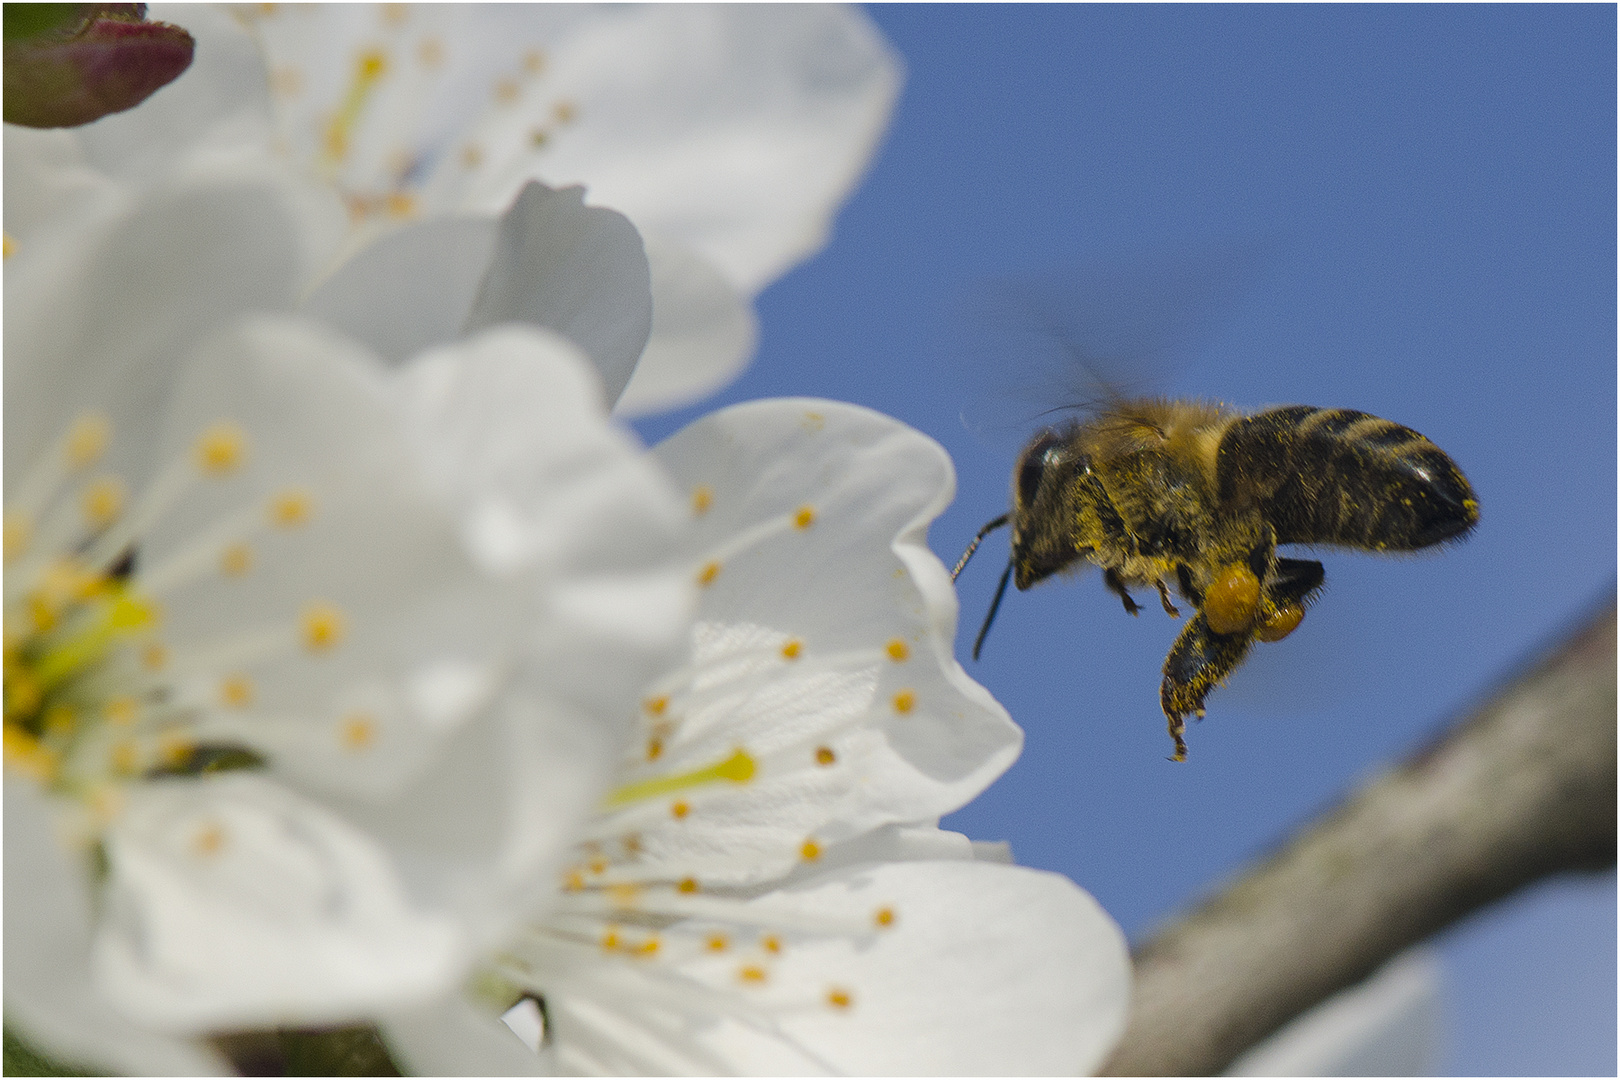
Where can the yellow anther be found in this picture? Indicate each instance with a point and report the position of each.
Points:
(804, 517)
(221, 448)
(393, 14)
(883, 918)
(751, 973)
(174, 748)
(372, 65)
(679, 809)
(739, 768)
(19, 530)
(400, 205)
(632, 844)
(154, 656)
(655, 748)
(656, 706)
(710, 571)
(688, 885)
(506, 91)
(905, 701)
(10, 246)
(235, 560)
(236, 691)
(792, 648)
(624, 894)
(123, 757)
(87, 440)
(322, 627)
(598, 865)
(102, 501)
(23, 694)
(771, 944)
(647, 949)
(702, 499)
(839, 998)
(122, 710)
(565, 112)
(809, 851)
(430, 53)
(574, 881)
(610, 940)
(286, 82)
(209, 840)
(26, 755)
(717, 943)
(825, 755)
(538, 137)
(534, 62)
(291, 507)
(897, 650)
(359, 731)
(471, 156)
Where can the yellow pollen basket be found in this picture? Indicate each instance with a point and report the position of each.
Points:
(739, 768)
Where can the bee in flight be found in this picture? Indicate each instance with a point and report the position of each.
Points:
(1197, 497)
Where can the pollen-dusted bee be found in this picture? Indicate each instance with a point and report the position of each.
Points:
(1197, 497)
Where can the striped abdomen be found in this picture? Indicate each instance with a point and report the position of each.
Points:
(1337, 476)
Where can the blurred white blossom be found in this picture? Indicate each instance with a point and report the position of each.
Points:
(765, 890)
(729, 135)
(313, 665)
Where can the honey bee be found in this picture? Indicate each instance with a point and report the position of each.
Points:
(1197, 497)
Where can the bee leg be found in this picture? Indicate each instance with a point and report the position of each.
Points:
(1111, 579)
(1198, 662)
(1292, 587)
(1164, 598)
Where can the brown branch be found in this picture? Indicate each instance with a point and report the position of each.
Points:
(1522, 787)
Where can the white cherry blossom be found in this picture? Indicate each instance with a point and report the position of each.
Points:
(764, 891)
(313, 664)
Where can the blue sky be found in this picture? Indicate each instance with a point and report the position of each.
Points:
(1404, 210)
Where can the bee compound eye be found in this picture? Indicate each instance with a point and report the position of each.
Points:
(1044, 452)
(1232, 599)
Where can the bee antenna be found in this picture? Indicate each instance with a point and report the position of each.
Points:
(984, 532)
(995, 606)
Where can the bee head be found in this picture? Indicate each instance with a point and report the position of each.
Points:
(1038, 540)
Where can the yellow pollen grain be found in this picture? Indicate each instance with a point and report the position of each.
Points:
(804, 517)
(809, 851)
(710, 571)
(565, 112)
(88, 439)
(472, 156)
(291, 508)
(897, 650)
(430, 53)
(751, 973)
(154, 656)
(534, 62)
(679, 809)
(322, 627)
(506, 91)
(792, 648)
(771, 944)
(883, 917)
(359, 730)
(839, 998)
(702, 499)
(236, 691)
(717, 943)
(123, 757)
(656, 706)
(103, 501)
(220, 449)
(236, 560)
(121, 710)
(905, 701)
(688, 885)
(18, 532)
(655, 748)
(208, 840)
(825, 755)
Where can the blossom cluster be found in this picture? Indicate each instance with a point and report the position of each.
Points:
(361, 668)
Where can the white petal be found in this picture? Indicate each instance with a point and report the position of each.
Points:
(987, 970)
(46, 176)
(410, 290)
(48, 990)
(1386, 1025)
(703, 332)
(233, 903)
(454, 1038)
(574, 269)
